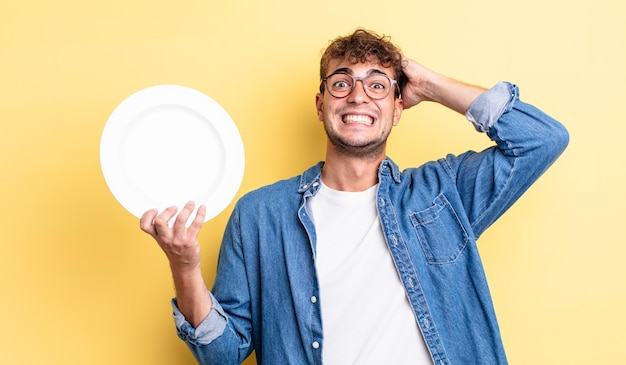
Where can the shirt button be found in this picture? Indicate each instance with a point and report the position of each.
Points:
(313, 299)
(316, 345)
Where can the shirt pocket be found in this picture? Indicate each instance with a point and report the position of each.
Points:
(440, 232)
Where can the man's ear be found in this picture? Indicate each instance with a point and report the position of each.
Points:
(397, 112)
(319, 106)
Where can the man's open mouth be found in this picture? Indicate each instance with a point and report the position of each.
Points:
(358, 119)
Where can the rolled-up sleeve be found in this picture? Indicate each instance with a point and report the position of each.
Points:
(209, 329)
(485, 111)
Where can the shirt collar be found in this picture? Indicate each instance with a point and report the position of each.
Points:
(311, 177)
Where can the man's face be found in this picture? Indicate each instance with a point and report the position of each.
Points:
(358, 125)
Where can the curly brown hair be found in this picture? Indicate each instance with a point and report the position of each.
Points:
(363, 46)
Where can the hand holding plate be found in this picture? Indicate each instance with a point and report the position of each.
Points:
(180, 243)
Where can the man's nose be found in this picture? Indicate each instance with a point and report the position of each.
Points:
(358, 93)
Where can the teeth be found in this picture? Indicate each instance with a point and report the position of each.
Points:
(360, 119)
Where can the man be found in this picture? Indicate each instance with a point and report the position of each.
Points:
(355, 261)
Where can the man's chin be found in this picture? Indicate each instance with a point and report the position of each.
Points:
(364, 150)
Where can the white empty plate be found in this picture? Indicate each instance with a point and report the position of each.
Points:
(166, 145)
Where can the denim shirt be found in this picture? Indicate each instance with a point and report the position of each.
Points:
(266, 293)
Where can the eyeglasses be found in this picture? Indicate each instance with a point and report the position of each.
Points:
(376, 85)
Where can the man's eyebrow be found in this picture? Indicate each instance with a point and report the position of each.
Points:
(343, 70)
(376, 71)
(348, 70)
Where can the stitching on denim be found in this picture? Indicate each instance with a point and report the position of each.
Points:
(497, 198)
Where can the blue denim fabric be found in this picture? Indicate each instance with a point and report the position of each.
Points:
(266, 294)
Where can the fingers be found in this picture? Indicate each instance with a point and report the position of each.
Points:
(410, 68)
(161, 222)
(195, 226)
(183, 217)
(179, 243)
(405, 64)
(416, 89)
(157, 224)
(146, 221)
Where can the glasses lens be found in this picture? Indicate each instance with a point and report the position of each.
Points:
(339, 85)
(376, 86)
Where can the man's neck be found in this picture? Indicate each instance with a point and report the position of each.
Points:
(350, 173)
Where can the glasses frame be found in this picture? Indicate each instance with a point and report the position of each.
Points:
(324, 85)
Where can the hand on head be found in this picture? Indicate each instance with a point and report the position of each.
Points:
(418, 76)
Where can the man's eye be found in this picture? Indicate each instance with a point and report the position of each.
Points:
(341, 84)
(377, 86)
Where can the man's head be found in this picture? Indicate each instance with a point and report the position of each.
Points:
(364, 46)
(355, 102)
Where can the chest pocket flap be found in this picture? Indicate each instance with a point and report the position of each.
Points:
(440, 232)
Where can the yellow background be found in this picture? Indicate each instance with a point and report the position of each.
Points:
(79, 282)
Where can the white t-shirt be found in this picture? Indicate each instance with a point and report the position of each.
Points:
(366, 315)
